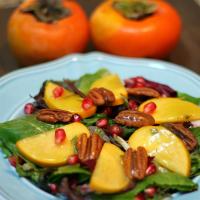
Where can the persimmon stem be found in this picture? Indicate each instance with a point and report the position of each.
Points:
(134, 9)
(48, 11)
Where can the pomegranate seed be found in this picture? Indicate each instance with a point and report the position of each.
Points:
(13, 160)
(53, 187)
(107, 111)
(140, 196)
(76, 118)
(149, 108)
(138, 85)
(151, 169)
(60, 135)
(130, 82)
(150, 159)
(87, 103)
(132, 105)
(58, 91)
(115, 130)
(102, 123)
(29, 108)
(151, 191)
(140, 79)
(72, 160)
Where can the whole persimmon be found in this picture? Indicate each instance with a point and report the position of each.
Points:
(135, 28)
(43, 30)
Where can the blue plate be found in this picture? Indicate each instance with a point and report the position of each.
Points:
(16, 87)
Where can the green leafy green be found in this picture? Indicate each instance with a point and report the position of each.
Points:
(31, 171)
(195, 156)
(127, 131)
(84, 82)
(17, 129)
(92, 120)
(196, 132)
(189, 98)
(195, 163)
(166, 180)
(81, 173)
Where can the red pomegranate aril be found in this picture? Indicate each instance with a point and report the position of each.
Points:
(73, 159)
(115, 130)
(58, 91)
(12, 160)
(29, 108)
(140, 79)
(76, 118)
(140, 196)
(151, 169)
(87, 103)
(151, 191)
(60, 135)
(130, 82)
(150, 108)
(107, 111)
(53, 187)
(139, 85)
(132, 105)
(102, 123)
(150, 159)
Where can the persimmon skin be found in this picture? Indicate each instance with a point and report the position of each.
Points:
(154, 36)
(33, 41)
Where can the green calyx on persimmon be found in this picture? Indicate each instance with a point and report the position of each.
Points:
(47, 11)
(136, 9)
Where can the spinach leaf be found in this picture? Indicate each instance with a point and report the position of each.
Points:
(17, 129)
(127, 131)
(84, 82)
(189, 98)
(92, 120)
(196, 132)
(167, 180)
(81, 173)
(195, 156)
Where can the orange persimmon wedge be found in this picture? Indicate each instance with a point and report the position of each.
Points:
(113, 83)
(68, 101)
(42, 149)
(109, 175)
(169, 151)
(173, 110)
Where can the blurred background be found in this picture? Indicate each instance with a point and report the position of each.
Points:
(186, 53)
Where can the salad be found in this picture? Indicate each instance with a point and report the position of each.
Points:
(99, 137)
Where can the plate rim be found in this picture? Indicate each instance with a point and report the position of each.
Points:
(99, 56)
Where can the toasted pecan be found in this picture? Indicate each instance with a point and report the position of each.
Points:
(183, 133)
(134, 118)
(54, 116)
(143, 91)
(135, 163)
(101, 96)
(89, 149)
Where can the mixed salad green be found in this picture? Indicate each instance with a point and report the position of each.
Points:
(73, 180)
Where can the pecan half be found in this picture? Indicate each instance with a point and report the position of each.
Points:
(134, 118)
(143, 91)
(135, 163)
(101, 96)
(54, 116)
(89, 149)
(183, 133)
